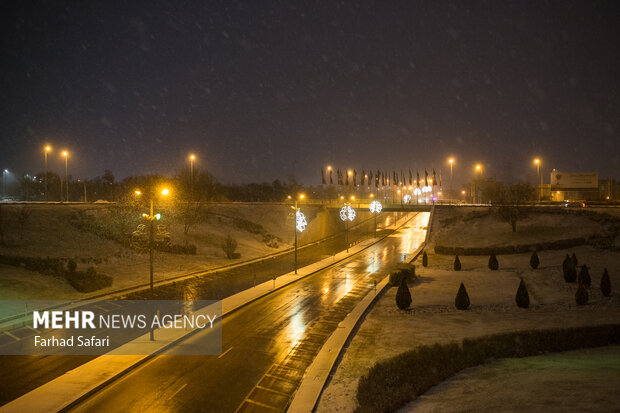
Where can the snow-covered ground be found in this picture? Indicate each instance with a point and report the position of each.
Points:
(433, 318)
(49, 232)
(572, 381)
(489, 230)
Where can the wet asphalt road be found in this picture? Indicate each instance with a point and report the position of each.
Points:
(267, 345)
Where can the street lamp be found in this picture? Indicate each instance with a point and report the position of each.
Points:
(375, 209)
(150, 218)
(45, 151)
(451, 161)
(347, 214)
(66, 155)
(192, 158)
(6, 171)
(300, 224)
(478, 170)
(537, 163)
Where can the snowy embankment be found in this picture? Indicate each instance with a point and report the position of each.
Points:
(433, 317)
(82, 233)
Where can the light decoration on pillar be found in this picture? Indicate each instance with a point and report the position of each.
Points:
(375, 207)
(407, 199)
(347, 213)
(300, 221)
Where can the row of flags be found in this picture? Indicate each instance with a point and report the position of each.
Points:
(381, 178)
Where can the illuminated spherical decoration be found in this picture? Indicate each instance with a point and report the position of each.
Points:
(375, 207)
(407, 198)
(347, 213)
(417, 191)
(300, 221)
(427, 188)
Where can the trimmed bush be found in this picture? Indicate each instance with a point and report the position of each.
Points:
(570, 272)
(462, 298)
(523, 298)
(392, 382)
(574, 259)
(605, 284)
(404, 271)
(584, 276)
(457, 264)
(89, 281)
(534, 261)
(424, 259)
(403, 295)
(566, 263)
(493, 263)
(581, 296)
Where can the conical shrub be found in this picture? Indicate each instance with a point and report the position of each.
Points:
(605, 284)
(523, 297)
(457, 264)
(570, 272)
(584, 276)
(493, 263)
(581, 296)
(534, 261)
(574, 258)
(462, 298)
(403, 296)
(567, 262)
(424, 259)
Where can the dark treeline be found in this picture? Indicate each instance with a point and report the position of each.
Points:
(106, 188)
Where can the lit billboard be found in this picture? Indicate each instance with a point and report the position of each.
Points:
(574, 179)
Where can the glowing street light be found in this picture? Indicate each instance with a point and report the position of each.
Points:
(347, 214)
(46, 150)
(192, 158)
(451, 161)
(375, 209)
(4, 172)
(300, 225)
(538, 163)
(65, 154)
(478, 170)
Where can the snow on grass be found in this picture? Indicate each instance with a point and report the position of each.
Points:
(433, 318)
(572, 381)
(50, 232)
(482, 227)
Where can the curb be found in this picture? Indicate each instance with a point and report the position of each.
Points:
(327, 360)
(21, 404)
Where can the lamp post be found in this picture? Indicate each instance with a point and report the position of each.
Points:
(4, 172)
(45, 151)
(451, 161)
(478, 170)
(300, 225)
(375, 208)
(537, 163)
(66, 155)
(192, 158)
(150, 218)
(347, 214)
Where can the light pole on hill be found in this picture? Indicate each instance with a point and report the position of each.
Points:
(66, 156)
(46, 150)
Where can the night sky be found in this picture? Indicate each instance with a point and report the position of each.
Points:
(263, 90)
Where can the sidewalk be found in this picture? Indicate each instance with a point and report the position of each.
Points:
(78, 384)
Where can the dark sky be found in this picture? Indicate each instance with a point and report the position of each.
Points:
(261, 90)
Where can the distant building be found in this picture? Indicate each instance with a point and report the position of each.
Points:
(574, 186)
